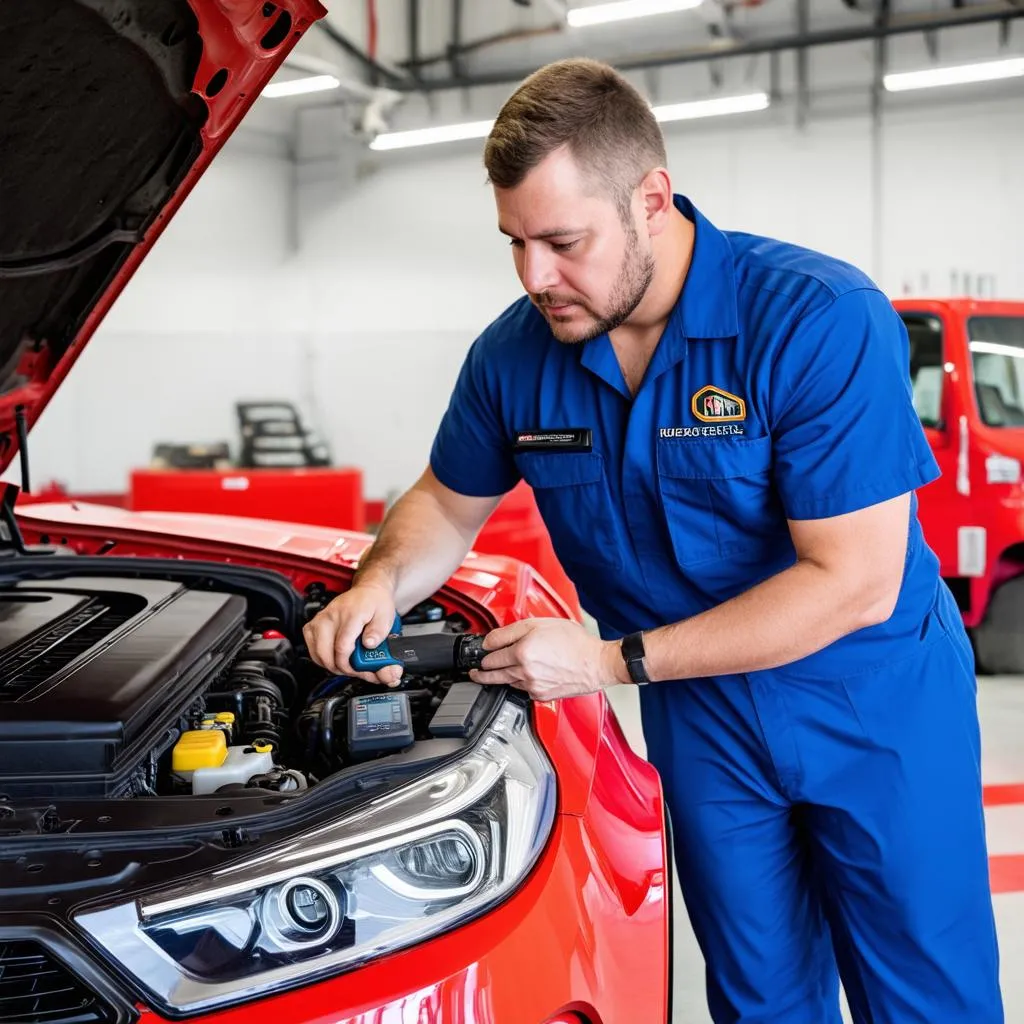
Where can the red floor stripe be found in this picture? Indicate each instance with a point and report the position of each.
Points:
(1006, 873)
(998, 796)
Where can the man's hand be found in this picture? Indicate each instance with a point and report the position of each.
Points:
(549, 659)
(367, 609)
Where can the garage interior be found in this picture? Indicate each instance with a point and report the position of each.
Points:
(331, 262)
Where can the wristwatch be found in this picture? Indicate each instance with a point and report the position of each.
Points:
(633, 652)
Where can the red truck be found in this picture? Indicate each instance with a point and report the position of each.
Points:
(967, 371)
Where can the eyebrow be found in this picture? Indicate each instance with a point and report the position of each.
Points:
(551, 233)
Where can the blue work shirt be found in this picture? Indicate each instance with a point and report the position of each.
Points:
(779, 390)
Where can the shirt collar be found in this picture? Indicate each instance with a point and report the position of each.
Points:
(706, 308)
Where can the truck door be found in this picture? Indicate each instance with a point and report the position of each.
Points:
(945, 505)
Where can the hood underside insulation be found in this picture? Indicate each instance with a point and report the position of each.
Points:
(98, 125)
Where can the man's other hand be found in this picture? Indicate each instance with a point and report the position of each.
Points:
(548, 659)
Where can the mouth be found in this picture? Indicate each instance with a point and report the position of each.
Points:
(563, 310)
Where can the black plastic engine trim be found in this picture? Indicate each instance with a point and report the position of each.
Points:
(272, 586)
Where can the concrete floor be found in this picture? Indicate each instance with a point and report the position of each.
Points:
(1001, 707)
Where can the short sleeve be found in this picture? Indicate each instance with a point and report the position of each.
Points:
(844, 431)
(471, 453)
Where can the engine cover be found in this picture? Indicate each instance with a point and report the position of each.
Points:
(93, 672)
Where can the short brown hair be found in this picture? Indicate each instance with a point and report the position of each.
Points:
(608, 126)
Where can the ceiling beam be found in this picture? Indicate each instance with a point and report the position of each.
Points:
(876, 30)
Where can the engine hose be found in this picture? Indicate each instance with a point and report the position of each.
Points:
(234, 696)
(312, 741)
(276, 672)
(260, 686)
(237, 696)
(280, 780)
(417, 694)
(327, 726)
(306, 726)
(328, 685)
(264, 780)
(301, 783)
(263, 727)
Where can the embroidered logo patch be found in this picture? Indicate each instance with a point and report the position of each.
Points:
(713, 405)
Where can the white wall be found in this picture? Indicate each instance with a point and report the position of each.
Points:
(398, 275)
(953, 200)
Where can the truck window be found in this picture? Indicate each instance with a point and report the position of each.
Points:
(997, 355)
(925, 333)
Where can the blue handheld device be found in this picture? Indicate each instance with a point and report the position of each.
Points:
(373, 659)
(422, 652)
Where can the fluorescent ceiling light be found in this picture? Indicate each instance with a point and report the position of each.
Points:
(963, 74)
(427, 136)
(601, 14)
(712, 108)
(298, 86)
(480, 129)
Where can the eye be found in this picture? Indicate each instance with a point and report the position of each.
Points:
(565, 246)
(516, 243)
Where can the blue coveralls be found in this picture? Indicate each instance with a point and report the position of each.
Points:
(829, 812)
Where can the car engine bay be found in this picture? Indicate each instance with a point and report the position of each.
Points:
(127, 684)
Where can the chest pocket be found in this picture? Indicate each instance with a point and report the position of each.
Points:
(573, 496)
(718, 497)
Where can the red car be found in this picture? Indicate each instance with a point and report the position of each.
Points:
(196, 822)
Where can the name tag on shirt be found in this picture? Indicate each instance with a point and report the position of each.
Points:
(565, 439)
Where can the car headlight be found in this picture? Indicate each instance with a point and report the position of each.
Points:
(410, 864)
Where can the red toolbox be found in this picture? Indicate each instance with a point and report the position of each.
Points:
(323, 496)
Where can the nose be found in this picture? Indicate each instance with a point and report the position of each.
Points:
(538, 272)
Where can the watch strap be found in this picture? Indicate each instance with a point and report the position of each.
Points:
(633, 654)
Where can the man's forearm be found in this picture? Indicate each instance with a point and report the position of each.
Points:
(787, 617)
(416, 551)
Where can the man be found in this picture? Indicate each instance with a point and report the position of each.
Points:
(720, 435)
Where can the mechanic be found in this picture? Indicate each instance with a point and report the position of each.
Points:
(719, 431)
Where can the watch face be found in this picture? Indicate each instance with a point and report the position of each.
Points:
(633, 646)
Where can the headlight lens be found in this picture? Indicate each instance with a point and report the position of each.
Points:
(409, 865)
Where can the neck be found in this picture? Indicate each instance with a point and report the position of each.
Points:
(672, 250)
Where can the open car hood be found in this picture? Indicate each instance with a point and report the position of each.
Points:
(112, 110)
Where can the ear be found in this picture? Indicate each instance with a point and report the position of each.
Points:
(656, 196)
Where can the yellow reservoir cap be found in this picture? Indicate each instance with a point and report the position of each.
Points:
(262, 748)
(226, 717)
(199, 748)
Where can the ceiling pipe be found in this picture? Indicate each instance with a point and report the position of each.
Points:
(953, 18)
(413, 18)
(392, 78)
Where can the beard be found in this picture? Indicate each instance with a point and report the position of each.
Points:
(631, 284)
